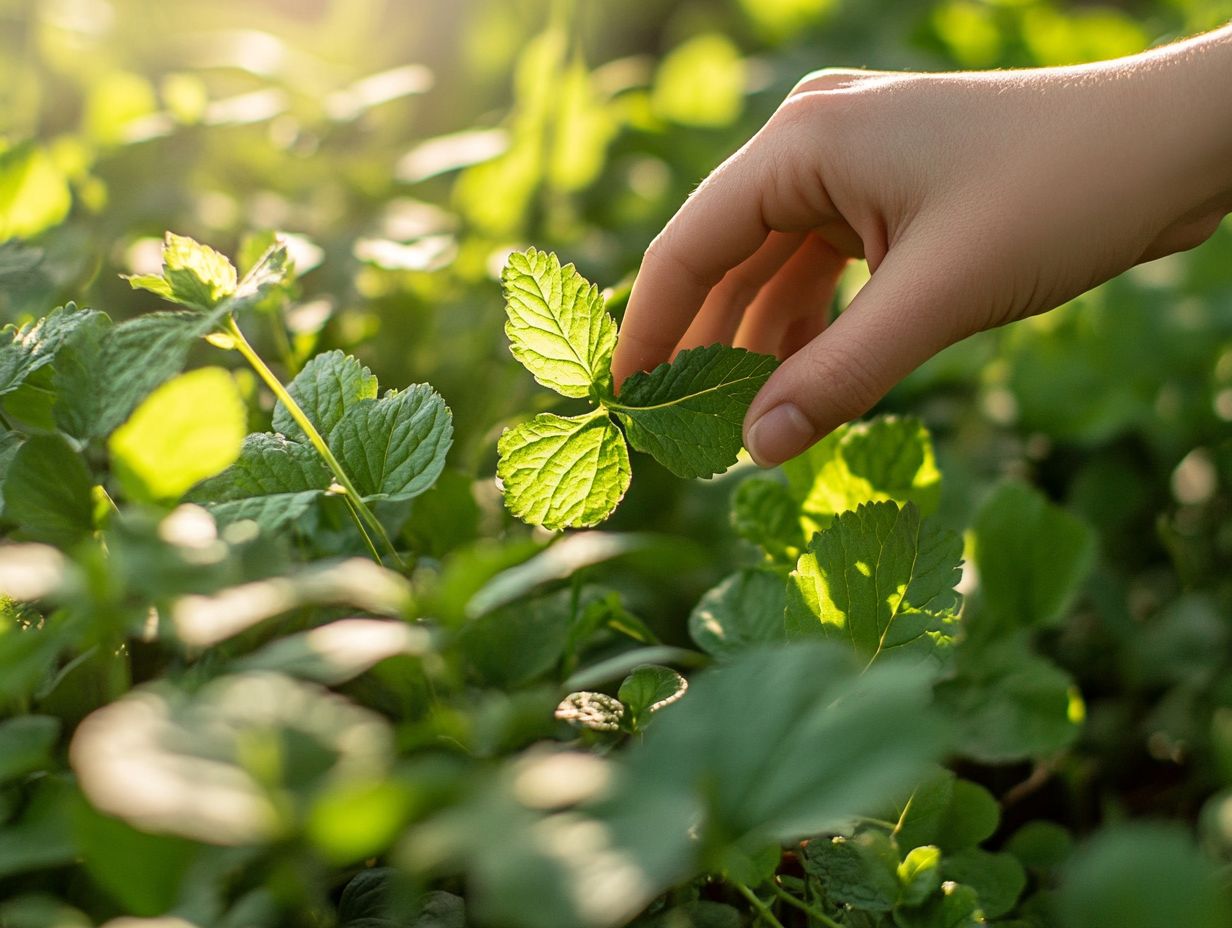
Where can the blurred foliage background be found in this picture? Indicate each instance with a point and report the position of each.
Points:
(406, 147)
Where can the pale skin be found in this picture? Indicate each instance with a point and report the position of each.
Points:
(977, 198)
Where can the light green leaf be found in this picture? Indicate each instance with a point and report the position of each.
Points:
(875, 578)
(743, 611)
(188, 429)
(563, 473)
(138, 356)
(998, 879)
(557, 325)
(271, 270)
(919, 875)
(1032, 556)
(329, 385)
(764, 512)
(887, 458)
(273, 482)
(689, 414)
(648, 689)
(194, 275)
(34, 193)
(701, 82)
(394, 447)
(49, 493)
(31, 347)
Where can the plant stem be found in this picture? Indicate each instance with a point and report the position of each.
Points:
(815, 914)
(358, 508)
(763, 910)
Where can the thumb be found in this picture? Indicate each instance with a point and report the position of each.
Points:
(908, 311)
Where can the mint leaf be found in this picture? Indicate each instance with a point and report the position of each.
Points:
(31, 347)
(329, 385)
(394, 447)
(689, 413)
(194, 275)
(563, 473)
(557, 328)
(1032, 556)
(887, 458)
(187, 430)
(743, 611)
(861, 872)
(273, 482)
(764, 512)
(48, 492)
(875, 578)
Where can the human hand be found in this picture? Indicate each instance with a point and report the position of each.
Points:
(977, 199)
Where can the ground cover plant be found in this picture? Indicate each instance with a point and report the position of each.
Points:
(339, 586)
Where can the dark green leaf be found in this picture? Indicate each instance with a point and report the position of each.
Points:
(27, 349)
(861, 872)
(26, 743)
(998, 879)
(48, 492)
(764, 512)
(328, 386)
(743, 611)
(273, 482)
(689, 414)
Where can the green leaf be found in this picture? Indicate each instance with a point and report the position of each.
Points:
(1032, 557)
(1009, 703)
(270, 272)
(998, 879)
(194, 275)
(1041, 845)
(957, 906)
(886, 458)
(338, 651)
(34, 193)
(743, 611)
(273, 482)
(689, 414)
(919, 875)
(563, 473)
(557, 327)
(328, 386)
(142, 872)
(31, 347)
(49, 493)
(25, 745)
(138, 356)
(875, 578)
(185, 431)
(519, 643)
(394, 447)
(43, 837)
(17, 263)
(764, 512)
(648, 689)
(9, 443)
(80, 377)
(861, 872)
(950, 813)
(1142, 875)
(789, 741)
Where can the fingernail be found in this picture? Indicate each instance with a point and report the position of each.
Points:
(779, 434)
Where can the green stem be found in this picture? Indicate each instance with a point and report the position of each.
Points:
(358, 508)
(815, 914)
(763, 910)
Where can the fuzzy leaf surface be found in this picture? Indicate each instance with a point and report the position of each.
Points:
(329, 385)
(563, 473)
(194, 275)
(273, 482)
(875, 578)
(689, 414)
(27, 349)
(557, 326)
(394, 447)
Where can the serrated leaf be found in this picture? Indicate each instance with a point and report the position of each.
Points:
(79, 374)
(648, 689)
(329, 385)
(861, 872)
(874, 569)
(31, 347)
(273, 482)
(270, 271)
(394, 447)
(764, 512)
(886, 458)
(187, 430)
(1031, 555)
(48, 492)
(689, 414)
(596, 711)
(745, 610)
(557, 326)
(138, 356)
(563, 473)
(194, 275)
